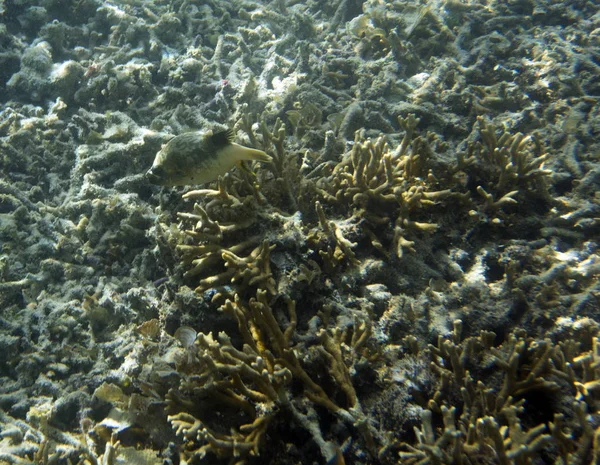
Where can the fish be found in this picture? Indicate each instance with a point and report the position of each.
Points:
(199, 157)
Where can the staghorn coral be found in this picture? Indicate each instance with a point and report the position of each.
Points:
(233, 227)
(256, 381)
(285, 173)
(79, 270)
(380, 186)
(245, 262)
(23, 444)
(373, 193)
(500, 417)
(506, 165)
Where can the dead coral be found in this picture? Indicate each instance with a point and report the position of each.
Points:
(555, 280)
(304, 117)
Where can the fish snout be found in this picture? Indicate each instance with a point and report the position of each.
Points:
(155, 175)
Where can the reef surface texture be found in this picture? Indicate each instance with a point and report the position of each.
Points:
(409, 277)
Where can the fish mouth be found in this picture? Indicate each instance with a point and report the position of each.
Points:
(153, 178)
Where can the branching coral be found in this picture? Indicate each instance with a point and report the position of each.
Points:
(382, 186)
(511, 444)
(272, 141)
(255, 380)
(340, 248)
(377, 194)
(337, 218)
(244, 263)
(504, 166)
(22, 444)
(227, 243)
(486, 417)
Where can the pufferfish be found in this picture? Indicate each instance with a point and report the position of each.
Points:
(198, 158)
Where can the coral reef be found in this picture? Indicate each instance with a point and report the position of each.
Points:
(413, 279)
